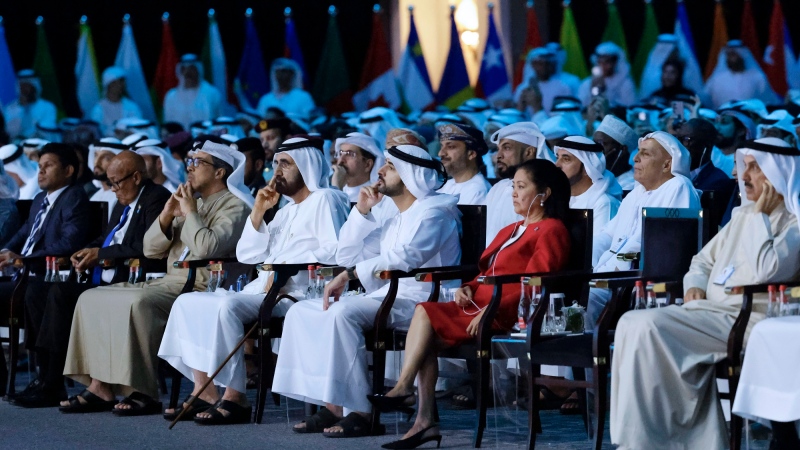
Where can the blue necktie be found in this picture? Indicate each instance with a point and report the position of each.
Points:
(98, 272)
(37, 223)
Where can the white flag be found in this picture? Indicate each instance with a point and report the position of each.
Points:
(86, 80)
(128, 59)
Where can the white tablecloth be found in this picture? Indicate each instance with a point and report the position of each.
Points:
(769, 388)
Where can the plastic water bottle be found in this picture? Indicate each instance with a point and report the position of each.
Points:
(213, 279)
(524, 308)
(651, 297)
(638, 296)
(132, 275)
(241, 282)
(773, 307)
(48, 274)
(786, 308)
(311, 288)
(320, 282)
(56, 278)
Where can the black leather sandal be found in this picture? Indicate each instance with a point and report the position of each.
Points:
(140, 405)
(92, 403)
(197, 406)
(236, 414)
(354, 425)
(317, 423)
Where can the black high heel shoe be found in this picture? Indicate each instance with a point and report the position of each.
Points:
(415, 440)
(386, 404)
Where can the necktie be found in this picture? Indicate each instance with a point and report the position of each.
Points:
(98, 272)
(37, 224)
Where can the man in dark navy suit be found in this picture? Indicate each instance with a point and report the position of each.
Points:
(699, 136)
(49, 307)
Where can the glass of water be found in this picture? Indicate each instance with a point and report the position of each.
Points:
(555, 314)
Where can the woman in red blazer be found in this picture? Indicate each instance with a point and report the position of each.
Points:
(539, 243)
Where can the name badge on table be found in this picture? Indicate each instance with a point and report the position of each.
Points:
(184, 254)
(723, 277)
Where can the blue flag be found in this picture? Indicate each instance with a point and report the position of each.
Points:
(252, 76)
(454, 88)
(293, 51)
(8, 79)
(682, 20)
(413, 76)
(493, 82)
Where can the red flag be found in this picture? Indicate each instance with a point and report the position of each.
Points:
(749, 35)
(532, 40)
(378, 86)
(165, 78)
(774, 57)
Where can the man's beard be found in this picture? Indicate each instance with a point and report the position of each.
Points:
(390, 191)
(284, 187)
(508, 172)
(101, 177)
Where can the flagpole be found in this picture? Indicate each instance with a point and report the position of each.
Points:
(287, 14)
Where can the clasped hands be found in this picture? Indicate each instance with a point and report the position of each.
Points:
(181, 202)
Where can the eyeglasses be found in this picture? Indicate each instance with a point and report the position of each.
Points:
(346, 154)
(685, 140)
(196, 162)
(281, 164)
(115, 185)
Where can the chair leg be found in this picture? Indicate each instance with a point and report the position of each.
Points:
(3, 373)
(266, 371)
(162, 383)
(534, 421)
(736, 422)
(378, 383)
(175, 389)
(579, 374)
(481, 398)
(600, 401)
(13, 355)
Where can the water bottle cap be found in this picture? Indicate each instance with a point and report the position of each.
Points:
(771, 288)
(639, 283)
(782, 288)
(310, 267)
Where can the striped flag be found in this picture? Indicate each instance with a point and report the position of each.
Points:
(533, 39)
(291, 46)
(87, 84)
(413, 77)
(571, 42)
(454, 88)
(45, 69)
(718, 40)
(493, 82)
(378, 86)
(215, 65)
(128, 59)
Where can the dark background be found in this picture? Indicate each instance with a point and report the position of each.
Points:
(189, 26)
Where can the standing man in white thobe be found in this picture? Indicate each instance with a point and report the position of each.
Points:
(28, 109)
(358, 160)
(114, 105)
(663, 383)
(323, 357)
(661, 168)
(516, 144)
(738, 77)
(542, 81)
(461, 152)
(305, 230)
(618, 141)
(194, 99)
(591, 185)
(286, 91)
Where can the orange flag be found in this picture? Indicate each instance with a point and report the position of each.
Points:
(718, 39)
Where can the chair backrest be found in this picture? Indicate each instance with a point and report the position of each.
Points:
(24, 209)
(98, 220)
(579, 222)
(714, 204)
(473, 233)
(670, 239)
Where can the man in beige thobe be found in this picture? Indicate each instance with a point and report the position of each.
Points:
(663, 390)
(116, 329)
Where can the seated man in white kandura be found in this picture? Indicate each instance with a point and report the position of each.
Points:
(204, 327)
(663, 388)
(323, 357)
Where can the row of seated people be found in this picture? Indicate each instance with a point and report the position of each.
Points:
(113, 340)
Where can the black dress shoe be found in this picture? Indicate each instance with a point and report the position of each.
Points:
(42, 398)
(32, 387)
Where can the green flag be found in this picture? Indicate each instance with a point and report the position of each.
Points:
(332, 83)
(614, 32)
(571, 42)
(646, 43)
(45, 70)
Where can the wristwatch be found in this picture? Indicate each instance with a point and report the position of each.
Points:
(351, 273)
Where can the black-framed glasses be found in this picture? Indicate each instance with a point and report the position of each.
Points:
(195, 162)
(116, 184)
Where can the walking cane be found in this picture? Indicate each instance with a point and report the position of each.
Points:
(216, 372)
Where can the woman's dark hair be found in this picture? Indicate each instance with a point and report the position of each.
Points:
(545, 174)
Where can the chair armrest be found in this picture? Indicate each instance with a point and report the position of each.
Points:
(287, 267)
(390, 274)
(456, 274)
(629, 256)
(536, 279)
(200, 263)
(109, 263)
